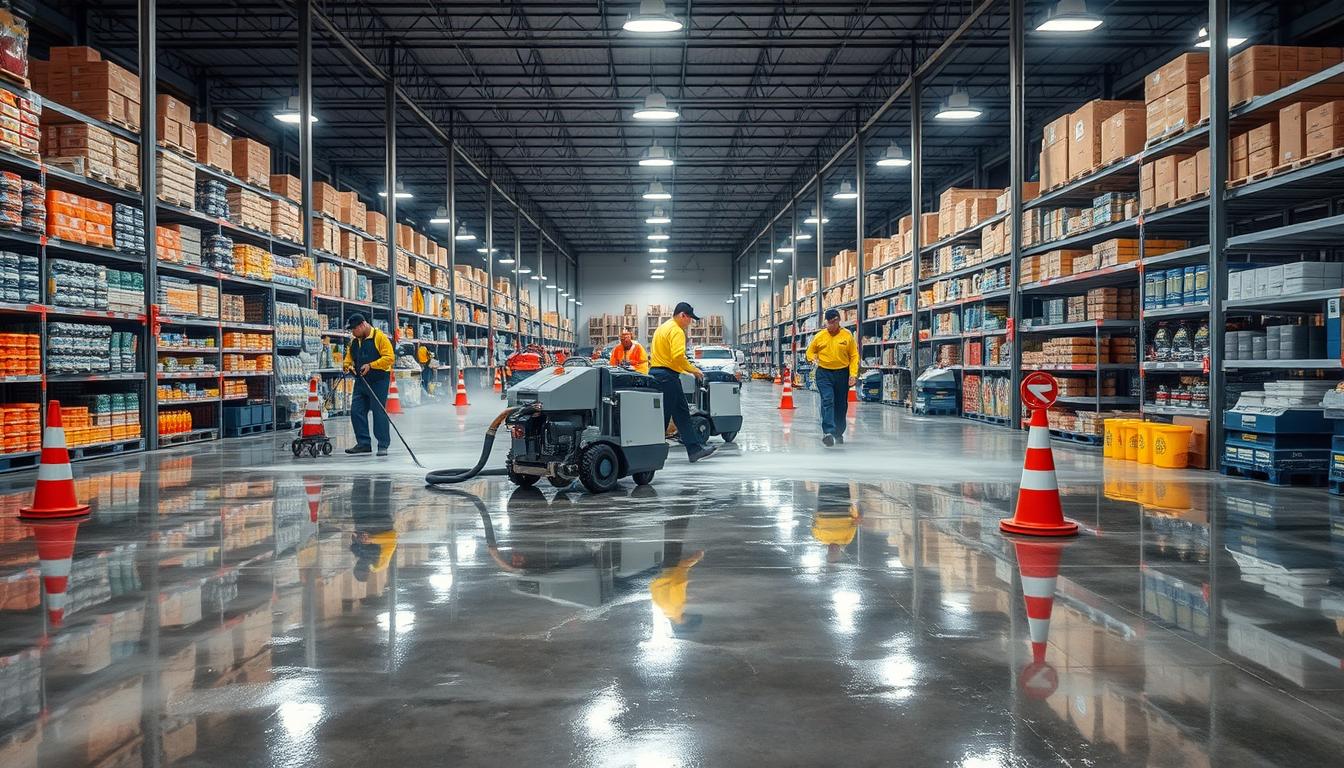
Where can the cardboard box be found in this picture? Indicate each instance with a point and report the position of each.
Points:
(1183, 70)
(1324, 115)
(214, 147)
(1205, 98)
(1186, 178)
(1325, 139)
(287, 186)
(1181, 109)
(1264, 160)
(325, 199)
(1246, 87)
(1264, 136)
(1164, 193)
(1155, 116)
(1122, 135)
(1085, 133)
(1055, 152)
(1202, 171)
(1166, 169)
(252, 162)
(1293, 131)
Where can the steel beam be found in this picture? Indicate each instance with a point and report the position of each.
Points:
(916, 225)
(149, 161)
(1218, 173)
(860, 186)
(451, 172)
(390, 184)
(1017, 149)
(489, 277)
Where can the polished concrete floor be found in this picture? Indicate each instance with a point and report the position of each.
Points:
(780, 604)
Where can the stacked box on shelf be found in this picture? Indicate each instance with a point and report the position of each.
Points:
(87, 150)
(175, 180)
(1262, 69)
(286, 220)
(214, 148)
(20, 131)
(1172, 95)
(173, 127)
(1176, 287)
(326, 236)
(77, 77)
(290, 188)
(1284, 279)
(252, 261)
(1085, 133)
(249, 209)
(128, 229)
(251, 161)
(1280, 432)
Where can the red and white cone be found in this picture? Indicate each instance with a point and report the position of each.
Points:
(54, 493)
(55, 553)
(499, 382)
(393, 397)
(312, 489)
(853, 395)
(1038, 563)
(461, 398)
(312, 413)
(786, 397)
(1039, 511)
(778, 378)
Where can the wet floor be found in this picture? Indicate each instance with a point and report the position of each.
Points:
(779, 604)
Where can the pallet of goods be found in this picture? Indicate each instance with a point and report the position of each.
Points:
(214, 148)
(175, 180)
(78, 78)
(174, 128)
(251, 162)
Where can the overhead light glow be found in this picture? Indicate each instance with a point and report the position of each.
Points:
(1202, 39)
(657, 270)
(656, 192)
(893, 158)
(655, 108)
(506, 260)
(658, 217)
(763, 271)
(1069, 16)
(659, 234)
(655, 157)
(813, 219)
(782, 249)
(291, 115)
(728, 301)
(657, 249)
(578, 303)
(658, 260)
(652, 19)
(401, 192)
(537, 277)
(524, 270)
(845, 192)
(440, 217)
(803, 236)
(958, 106)
(657, 277)
(463, 234)
(550, 285)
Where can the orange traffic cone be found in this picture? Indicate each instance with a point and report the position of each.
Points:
(499, 381)
(312, 414)
(312, 488)
(786, 397)
(393, 397)
(1038, 563)
(1039, 512)
(853, 395)
(55, 551)
(461, 398)
(777, 378)
(54, 493)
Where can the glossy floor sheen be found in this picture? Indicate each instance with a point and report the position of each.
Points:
(778, 605)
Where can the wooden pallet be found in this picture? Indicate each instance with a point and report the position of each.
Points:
(254, 429)
(1172, 134)
(19, 461)
(1296, 165)
(1275, 475)
(123, 124)
(105, 449)
(177, 201)
(1176, 203)
(1075, 437)
(188, 437)
(16, 79)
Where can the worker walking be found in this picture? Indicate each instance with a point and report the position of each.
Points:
(836, 356)
(423, 357)
(668, 362)
(630, 353)
(369, 357)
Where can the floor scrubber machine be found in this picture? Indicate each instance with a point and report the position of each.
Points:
(596, 424)
(716, 405)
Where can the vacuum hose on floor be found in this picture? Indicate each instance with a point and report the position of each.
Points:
(461, 475)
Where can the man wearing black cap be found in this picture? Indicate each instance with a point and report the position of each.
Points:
(369, 357)
(667, 361)
(836, 356)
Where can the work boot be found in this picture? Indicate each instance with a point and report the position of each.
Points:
(382, 452)
(828, 440)
(704, 453)
(840, 439)
(359, 449)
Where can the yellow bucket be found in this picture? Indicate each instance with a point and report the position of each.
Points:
(1113, 441)
(1130, 431)
(1145, 441)
(1170, 445)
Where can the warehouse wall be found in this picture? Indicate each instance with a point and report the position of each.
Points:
(608, 282)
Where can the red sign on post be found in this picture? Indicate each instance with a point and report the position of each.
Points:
(1039, 390)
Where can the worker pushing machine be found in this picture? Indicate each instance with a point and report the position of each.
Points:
(630, 353)
(369, 358)
(836, 356)
(668, 362)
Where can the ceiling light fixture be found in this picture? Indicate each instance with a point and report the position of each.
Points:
(657, 249)
(463, 234)
(506, 260)
(523, 270)
(803, 236)
(656, 192)
(729, 301)
(763, 271)
(440, 217)
(657, 270)
(655, 108)
(958, 106)
(893, 158)
(652, 19)
(657, 277)
(813, 219)
(579, 303)
(658, 217)
(659, 234)
(550, 285)
(401, 192)
(290, 114)
(1202, 39)
(657, 260)
(656, 157)
(782, 249)
(845, 192)
(1069, 16)
(537, 278)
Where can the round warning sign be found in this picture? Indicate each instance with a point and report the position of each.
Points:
(1039, 390)
(1038, 680)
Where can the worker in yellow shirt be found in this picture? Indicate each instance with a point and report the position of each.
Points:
(836, 356)
(630, 353)
(369, 357)
(423, 356)
(668, 361)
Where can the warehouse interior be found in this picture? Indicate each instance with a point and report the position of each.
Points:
(1087, 253)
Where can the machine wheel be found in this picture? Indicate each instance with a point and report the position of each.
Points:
(326, 448)
(312, 450)
(522, 481)
(703, 430)
(600, 468)
(560, 482)
(728, 436)
(296, 447)
(643, 478)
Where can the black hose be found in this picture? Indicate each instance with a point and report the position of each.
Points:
(460, 474)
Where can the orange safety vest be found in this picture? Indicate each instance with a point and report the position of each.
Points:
(638, 360)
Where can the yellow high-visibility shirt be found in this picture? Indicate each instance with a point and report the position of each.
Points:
(381, 344)
(835, 351)
(669, 349)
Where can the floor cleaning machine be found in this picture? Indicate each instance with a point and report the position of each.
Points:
(716, 405)
(596, 424)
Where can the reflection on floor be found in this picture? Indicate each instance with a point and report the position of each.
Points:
(228, 605)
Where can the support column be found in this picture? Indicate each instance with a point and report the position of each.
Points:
(390, 125)
(541, 271)
(860, 186)
(916, 226)
(489, 275)
(776, 351)
(518, 343)
(452, 258)
(1218, 156)
(793, 284)
(149, 160)
(1017, 158)
(821, 239)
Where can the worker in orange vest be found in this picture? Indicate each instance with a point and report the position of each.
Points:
(630, 353)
